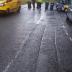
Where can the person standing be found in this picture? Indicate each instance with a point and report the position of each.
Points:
(51, 6)
(46, 4)
(33, 3)
(39, 2)
(29, 4)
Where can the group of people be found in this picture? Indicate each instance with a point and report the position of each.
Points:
(39, 3)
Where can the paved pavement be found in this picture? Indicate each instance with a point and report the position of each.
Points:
(35, 41)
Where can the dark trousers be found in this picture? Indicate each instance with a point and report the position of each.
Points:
(38, 5)
(33, 3)
(46, 5)
(29, 5)
(51, 6)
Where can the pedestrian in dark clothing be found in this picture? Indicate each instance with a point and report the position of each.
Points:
(38, 5)
(46, 4)
(39, 2)
(51, 6)
(33, 3)
(29, 4)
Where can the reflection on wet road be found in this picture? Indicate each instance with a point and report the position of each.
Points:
(35, 41)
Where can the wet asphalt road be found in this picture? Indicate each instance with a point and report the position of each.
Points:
(35, 41)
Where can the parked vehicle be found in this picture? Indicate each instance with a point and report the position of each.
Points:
(8, 6)
(62, 7)
(69, 14)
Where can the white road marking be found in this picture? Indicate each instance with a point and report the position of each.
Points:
(38, 22)
(55, 39)
(63, 26)
(65, 30)
(7, 67)
(67, 33)
(70, 39)
(57, 53)
(21, 47)
(18, 52)
(41, 18)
